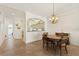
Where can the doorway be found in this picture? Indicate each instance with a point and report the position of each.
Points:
(10, 31)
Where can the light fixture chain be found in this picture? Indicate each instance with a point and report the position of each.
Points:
(53, 7)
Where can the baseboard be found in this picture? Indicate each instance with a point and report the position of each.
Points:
(32, 41)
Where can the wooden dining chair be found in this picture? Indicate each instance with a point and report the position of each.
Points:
(67, 35)
(46, 41)
(63, 44)
(62, 34)
(44, 38)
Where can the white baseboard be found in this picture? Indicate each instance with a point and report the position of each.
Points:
(32, 41)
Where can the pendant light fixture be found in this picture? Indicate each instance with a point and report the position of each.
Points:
(54, 18)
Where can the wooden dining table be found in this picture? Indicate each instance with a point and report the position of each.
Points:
(56, 39)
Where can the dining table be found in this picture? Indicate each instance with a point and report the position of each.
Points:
(56, 39)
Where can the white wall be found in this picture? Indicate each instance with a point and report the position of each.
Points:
(33, 36)
(68, 22)
(2, 29)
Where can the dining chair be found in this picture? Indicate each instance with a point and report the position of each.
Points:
(46, 41)
(62, 34)
(63, 44)
(67, 35)
(44, 38)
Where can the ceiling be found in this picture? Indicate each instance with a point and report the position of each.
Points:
(43, 9)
